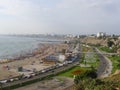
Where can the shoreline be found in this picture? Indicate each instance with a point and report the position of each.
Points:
(26, 54)
(29, 62)
(20, 46)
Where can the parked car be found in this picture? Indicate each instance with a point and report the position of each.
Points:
(70, 62)
(43, 71)
(27, 76)
(16, 79)
(3, 81)
(11, 80)
(60, 64)
(33, 74)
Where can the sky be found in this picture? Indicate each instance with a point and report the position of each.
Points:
(59, 16)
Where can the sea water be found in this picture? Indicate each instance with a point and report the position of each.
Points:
(14, 45)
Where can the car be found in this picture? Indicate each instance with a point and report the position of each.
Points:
(3, 81)
(43, 71)
(60, 64)
(33, 74)
(39, 72)
(52, 67)
(57, 66)
(16, 79)
(26, 76)
(70, 62)
(11, 80)
(65, 63)
(53, 71)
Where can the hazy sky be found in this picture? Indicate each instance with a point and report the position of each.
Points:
(59, 16)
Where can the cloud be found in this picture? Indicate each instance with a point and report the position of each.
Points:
(63, 16)
(89, 15)
(12, 7)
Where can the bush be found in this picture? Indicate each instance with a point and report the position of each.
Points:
(86, 74)
(94, 84)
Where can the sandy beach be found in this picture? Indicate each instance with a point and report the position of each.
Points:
(10, 69)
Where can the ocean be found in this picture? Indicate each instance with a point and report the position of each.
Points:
(14, 45)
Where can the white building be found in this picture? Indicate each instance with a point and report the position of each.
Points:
(101, 34)
(62, 58)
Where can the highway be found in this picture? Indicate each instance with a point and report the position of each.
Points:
(42, 75)
(39, 76)
(103, 70)
(105, 67)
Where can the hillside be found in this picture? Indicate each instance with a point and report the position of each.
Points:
(93, 40)
(114, 78)
(100, 41)
(109, 83)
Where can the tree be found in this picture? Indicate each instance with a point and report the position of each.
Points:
(20, 69)
(94, 84)
(63, 51)
(92, 73)
(85, 74)
(110, 43)
(118, 66)
(1, 87)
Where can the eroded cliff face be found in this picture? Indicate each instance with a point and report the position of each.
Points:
(94, 40)
(118, 50)
(102, 42)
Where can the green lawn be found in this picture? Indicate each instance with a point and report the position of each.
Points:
(68, 73)
(96, 62)
(106, 49)
(86, 49)
(115, 61)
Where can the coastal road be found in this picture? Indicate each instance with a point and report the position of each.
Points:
(45, 74)
(51, 72)
(105, 67)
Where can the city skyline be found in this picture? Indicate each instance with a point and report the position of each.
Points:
(59, 16)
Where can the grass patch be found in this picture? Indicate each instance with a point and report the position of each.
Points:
(106, 49)
(115, 61)
(68, 73)
(86, 49)
(97, 61)
(90, 61)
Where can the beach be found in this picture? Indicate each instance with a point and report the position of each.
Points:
(9, 68)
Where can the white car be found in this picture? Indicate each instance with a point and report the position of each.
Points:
(33, 74)
(60, 64)
(11, 80)
(26, 76)
(43, 71)
(3, 81)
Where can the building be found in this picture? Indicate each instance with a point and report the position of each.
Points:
(101, 34)
(62, 58)
(51, 59)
